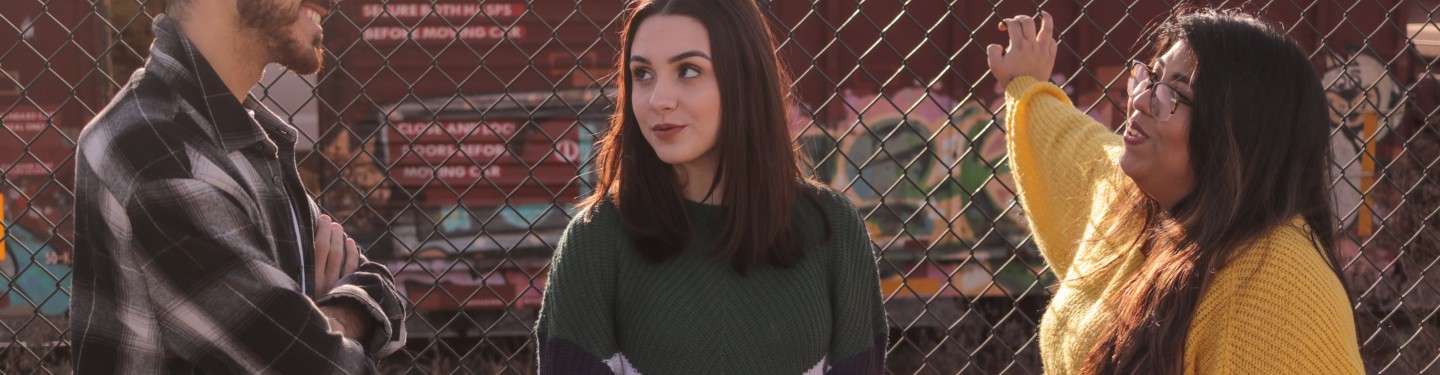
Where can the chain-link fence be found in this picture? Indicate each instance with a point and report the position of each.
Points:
(452, 138)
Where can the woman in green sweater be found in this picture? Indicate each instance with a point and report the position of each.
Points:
(1201, 241)
(704, 250)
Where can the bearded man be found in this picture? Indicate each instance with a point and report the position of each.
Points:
(197, 250)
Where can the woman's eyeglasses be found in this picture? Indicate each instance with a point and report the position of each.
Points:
(1164, 99)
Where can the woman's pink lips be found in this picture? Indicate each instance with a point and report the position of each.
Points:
(1133, 133)
(666, 131)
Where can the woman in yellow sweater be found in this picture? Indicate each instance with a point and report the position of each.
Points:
(1202, 240)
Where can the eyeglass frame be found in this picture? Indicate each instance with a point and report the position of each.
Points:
(1153, 79)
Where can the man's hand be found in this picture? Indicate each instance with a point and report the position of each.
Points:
(346, 319)
(1031, 52)
(335, 255)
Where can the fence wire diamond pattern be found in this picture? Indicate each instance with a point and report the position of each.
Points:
(453, 137)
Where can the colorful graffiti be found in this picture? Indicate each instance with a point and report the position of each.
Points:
(929, 174)
(927, 169)
(34, 273)
(459, 229)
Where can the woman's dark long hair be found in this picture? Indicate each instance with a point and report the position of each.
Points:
(1260, 150)
(758, 173)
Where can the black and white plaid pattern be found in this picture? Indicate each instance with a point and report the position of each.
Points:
(186, 259)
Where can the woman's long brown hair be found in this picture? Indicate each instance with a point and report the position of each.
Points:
(759, 175)
(1259, 147)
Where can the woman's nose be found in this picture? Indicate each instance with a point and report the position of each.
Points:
(1140, 101)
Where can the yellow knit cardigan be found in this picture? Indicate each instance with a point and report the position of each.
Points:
(1276, 308)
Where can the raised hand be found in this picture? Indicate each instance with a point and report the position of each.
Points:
(1031, 52)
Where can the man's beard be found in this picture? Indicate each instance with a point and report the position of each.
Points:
(273, 24)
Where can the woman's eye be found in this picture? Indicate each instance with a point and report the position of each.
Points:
(640, 74)
(689, 72)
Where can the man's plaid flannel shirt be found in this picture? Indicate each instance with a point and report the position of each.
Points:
(186, 257)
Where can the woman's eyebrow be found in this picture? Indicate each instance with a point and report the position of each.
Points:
(689, 54)
(676, 58)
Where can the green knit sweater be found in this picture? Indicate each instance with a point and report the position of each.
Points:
(607, 310)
